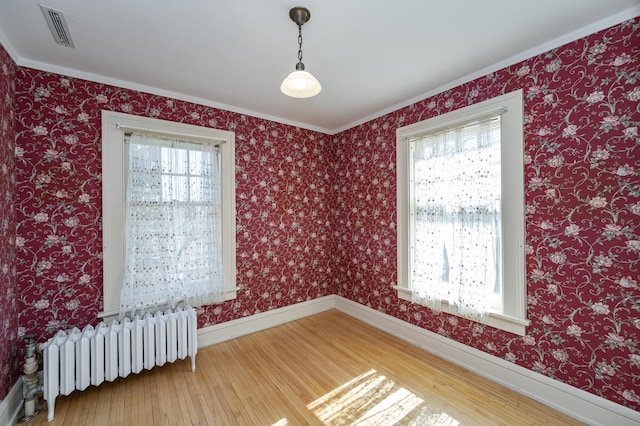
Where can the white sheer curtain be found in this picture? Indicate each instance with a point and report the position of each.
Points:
(456, 218)
(173, 219)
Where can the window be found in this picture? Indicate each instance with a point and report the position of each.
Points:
(460, 198)
(168, 213)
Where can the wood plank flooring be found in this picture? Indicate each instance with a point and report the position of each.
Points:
(327, 369)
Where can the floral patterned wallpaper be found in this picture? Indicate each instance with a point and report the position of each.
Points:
(316, 214)
(582, 178)
(9, 359)
(283, 203)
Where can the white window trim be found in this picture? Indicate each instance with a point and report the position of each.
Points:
(114, 125)
(513, 319)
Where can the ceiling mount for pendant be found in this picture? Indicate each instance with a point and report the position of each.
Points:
(300, 15)
(300, 83)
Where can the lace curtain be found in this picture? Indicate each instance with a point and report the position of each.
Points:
(456, 219)
(173, 219)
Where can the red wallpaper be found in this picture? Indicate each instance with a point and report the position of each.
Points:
(582, 168)
(284, 214)
(9, 359)
(316, 214)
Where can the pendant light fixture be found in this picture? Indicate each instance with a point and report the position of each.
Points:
(300, 83)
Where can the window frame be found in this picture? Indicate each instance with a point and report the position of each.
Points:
(114, 127)
(513, 317)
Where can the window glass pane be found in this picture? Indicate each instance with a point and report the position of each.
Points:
(199, 189)
(199, 163)
(174, 160)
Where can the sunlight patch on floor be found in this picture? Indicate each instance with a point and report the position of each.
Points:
(372, 399)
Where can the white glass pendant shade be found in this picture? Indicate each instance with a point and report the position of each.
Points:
(300, 84)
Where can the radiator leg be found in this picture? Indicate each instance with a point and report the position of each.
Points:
(52, 406)
(193, 363)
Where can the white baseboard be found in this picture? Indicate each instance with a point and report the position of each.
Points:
(235, 328)
(11, 405)
(572, 401)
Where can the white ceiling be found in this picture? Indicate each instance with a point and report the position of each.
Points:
(371, 57)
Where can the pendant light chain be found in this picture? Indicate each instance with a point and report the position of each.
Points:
(300, 43)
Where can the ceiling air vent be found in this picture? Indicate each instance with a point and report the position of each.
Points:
(58, 26)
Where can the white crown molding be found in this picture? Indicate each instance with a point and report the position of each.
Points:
(4, 41)
(98, 78)
(545, 47)
(572, 36)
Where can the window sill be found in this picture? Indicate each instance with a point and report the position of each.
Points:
(503, 322)
(112, 314)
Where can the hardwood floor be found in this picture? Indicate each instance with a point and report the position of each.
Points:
(328, 369)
